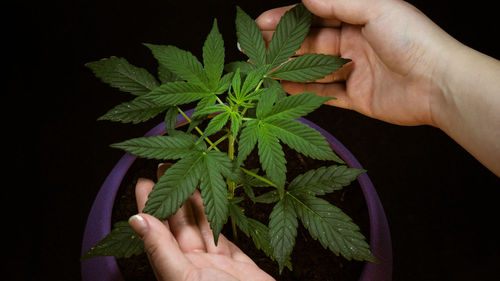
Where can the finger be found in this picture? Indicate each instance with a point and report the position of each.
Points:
(204, 226)
(349, 11)
(321, 41)
(268, 20)
(165, 256)
(142, 190)
(162, 168)
(334, 90)
(324, 40)
(185, 229)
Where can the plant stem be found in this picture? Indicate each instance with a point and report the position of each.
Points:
(231, 184)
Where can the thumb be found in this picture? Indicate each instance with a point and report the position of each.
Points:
(165, 256)
(349, 11)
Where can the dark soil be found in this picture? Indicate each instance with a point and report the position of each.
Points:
(309, 259)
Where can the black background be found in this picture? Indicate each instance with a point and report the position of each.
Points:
(440, 202)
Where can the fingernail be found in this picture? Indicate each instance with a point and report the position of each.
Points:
(238, 46)
(160, 164)
(139, 224)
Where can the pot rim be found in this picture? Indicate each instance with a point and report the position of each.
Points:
(99, 219)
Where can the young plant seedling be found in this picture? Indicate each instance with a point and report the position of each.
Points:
(252, 111)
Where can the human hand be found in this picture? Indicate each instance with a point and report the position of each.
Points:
(183, 248)
(397, 57)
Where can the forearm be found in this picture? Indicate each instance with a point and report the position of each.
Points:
(468, 109)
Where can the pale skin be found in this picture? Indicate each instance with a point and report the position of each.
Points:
(405, 70)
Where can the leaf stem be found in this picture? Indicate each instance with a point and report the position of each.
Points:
(259, 177)
(198, 129)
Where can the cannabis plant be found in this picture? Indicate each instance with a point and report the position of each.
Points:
(251, 111)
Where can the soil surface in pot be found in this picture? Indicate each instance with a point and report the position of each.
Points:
(309, 259)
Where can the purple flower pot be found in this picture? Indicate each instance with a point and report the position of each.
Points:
(99, 220)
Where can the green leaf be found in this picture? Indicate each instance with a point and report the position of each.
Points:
(274, 84)
(214, 193)
(217, 123)
(268, 197)
(159, 147)
(119, 73)
(290, 32)
(121, 242)
(171, 119)
(175, 186)
(224, 83)
(176, 93)
(266, 101)
(332, 227)
(259, 233)
(248, 139)
(323, 180)
(296, 106)
(236, 84)
(252, 80)
(213, 56)
(271, 156)
(236, 122)
(165, 75)
(303, 139)
(309, 67)
(283, 230)
(198, 117)
(181, 62)
(244, 66)
(138, 110)
(250, 38)
(239, 218)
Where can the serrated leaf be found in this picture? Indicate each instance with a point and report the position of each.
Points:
(290, 32)
(121, 242)
(266, 101)
(309, 67)
(177, 93)
(181, 62)
(119, 73)
(213, 56)
(268, 197)
(259, 233)
(236, 122)
(252, 80)
(197, 118)
(217, 123)
(302, 138)
(238, 216)
(274, 84)
(283, 230)
(332, 227)
(248, 139)
(244, 66)
(175, 186)
(226, 166)
(236, 84)
(159, 147)
(165, 75)
(271, 156)
(250, 38)
(138, 110)
(224, 83)
(171, 119)
(323, 180)
(214, 193)
(296, 106)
